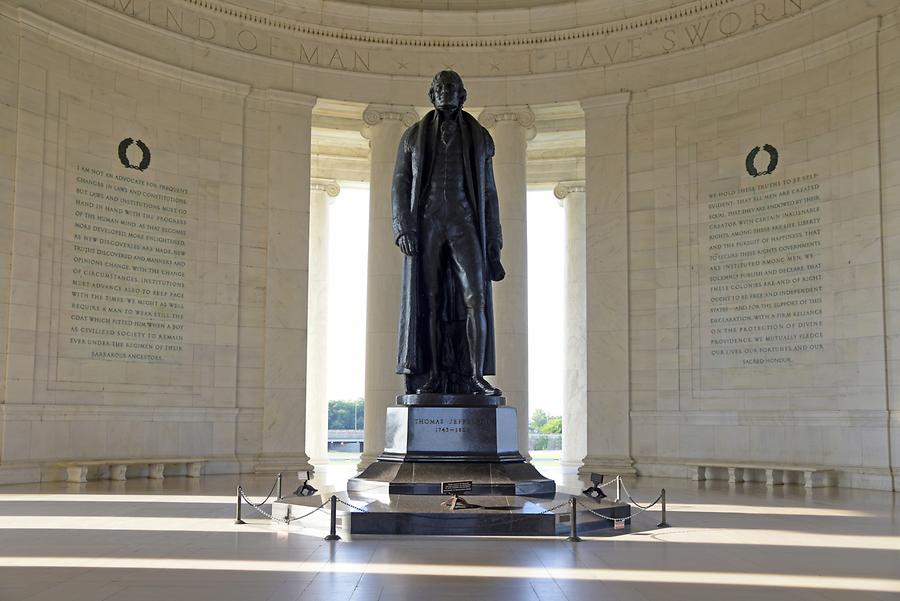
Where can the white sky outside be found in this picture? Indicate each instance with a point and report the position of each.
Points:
(347, 248)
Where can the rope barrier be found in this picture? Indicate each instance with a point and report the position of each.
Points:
(573, 523)
(554, 508)
(614, 519)
(241, 497)
(635, 503)
(605, 484)
(354, 507)
(262, 511)
(364, 510)
(511, 519)
(631, 501)
(571, 503)
(332, 530)
(271, 490)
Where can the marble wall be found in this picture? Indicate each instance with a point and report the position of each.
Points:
(730, 313)
(9, 101)
(758, 321)
(889, 145)
(123, 284)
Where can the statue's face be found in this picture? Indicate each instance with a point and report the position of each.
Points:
(447, 93)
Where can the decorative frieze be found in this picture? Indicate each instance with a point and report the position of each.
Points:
(353, 43)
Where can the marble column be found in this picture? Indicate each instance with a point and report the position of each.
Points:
(574, 441)
(384, 125)
(287, 181)
(317, 323)
(606, 218)
(511, 128)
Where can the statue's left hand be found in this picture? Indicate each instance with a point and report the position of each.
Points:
(408, 245)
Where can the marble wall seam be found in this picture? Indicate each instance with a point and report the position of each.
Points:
(26, 228)
(848, 417)
(889, 130)
(35, 412)
(9, 84)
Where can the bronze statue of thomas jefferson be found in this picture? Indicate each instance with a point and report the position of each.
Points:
(446, 222)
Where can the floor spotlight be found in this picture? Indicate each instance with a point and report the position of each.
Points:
(305, 489)
(595, 492)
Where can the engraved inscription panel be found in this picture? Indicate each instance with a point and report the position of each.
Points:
(763, 278)
(125, 265)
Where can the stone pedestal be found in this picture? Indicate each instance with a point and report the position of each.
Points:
(434, 438)
(447, 433)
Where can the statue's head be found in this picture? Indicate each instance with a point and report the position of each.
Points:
(447, 91)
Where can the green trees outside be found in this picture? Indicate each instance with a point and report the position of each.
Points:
(346, 414)
(543, 423)
(544, 431)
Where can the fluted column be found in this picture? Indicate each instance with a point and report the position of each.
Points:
(606, 212)
(574, 441)
(511, 128)
(321, 192)
(384, 125)
(286, 281)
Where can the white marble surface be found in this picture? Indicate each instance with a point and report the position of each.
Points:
(574, 443)
(321, 195)
(607, 267)
(829, 407)
(227, 104)
(174, 539)
(384, 125)
(511, 128)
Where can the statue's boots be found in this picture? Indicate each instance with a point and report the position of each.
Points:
(482, 386)
(432, 385)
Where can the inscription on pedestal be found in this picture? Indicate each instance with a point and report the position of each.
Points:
(451, 431)
(124, 265)
(762, 274)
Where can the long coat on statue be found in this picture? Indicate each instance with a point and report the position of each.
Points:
(411, 178)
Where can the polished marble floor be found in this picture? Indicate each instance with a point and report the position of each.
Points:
(174, 540)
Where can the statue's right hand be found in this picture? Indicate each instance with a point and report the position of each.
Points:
(408, 245)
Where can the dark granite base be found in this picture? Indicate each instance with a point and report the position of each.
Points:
(492, 515)
(451, 400)
(424, 478)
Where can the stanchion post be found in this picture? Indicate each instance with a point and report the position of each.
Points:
(573, 523)
(237, 508)
(618, 489)
(332, 533)
(663, 523)
(278, 488)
